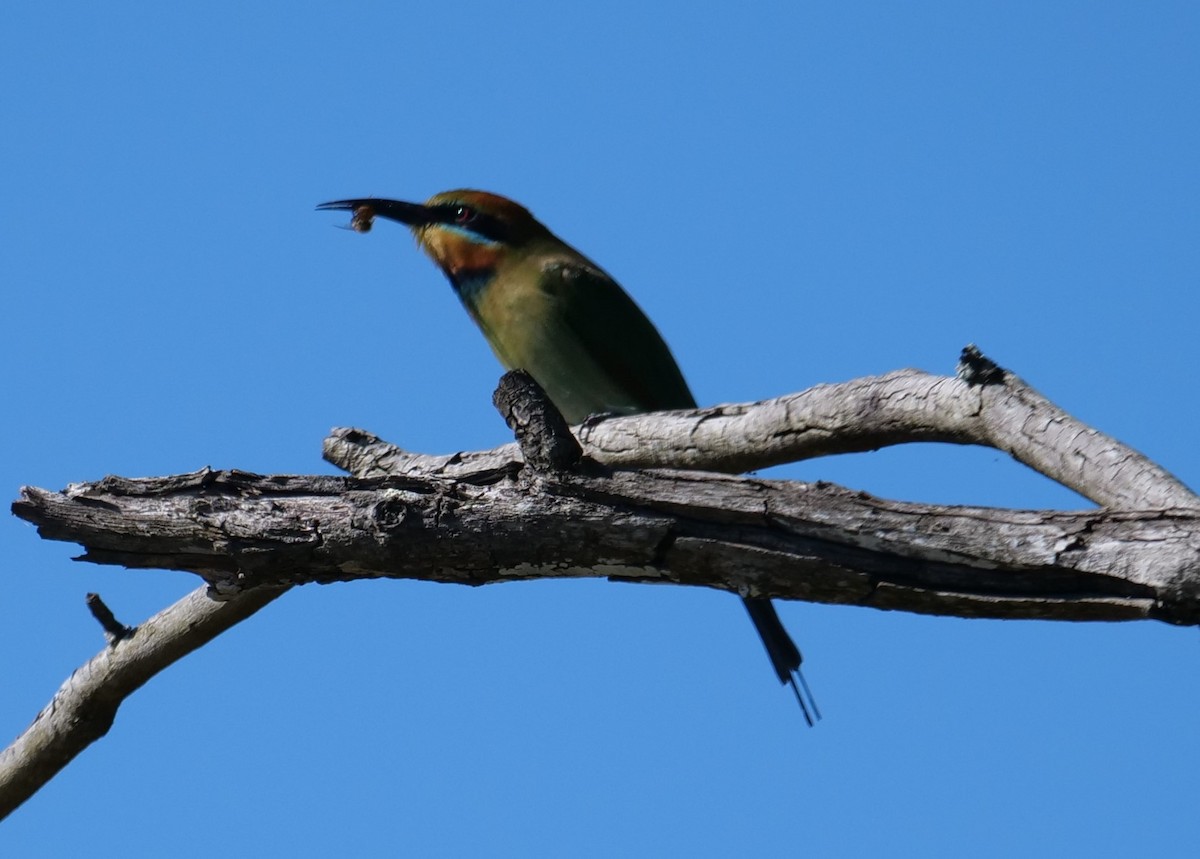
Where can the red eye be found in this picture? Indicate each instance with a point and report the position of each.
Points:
(464, 215)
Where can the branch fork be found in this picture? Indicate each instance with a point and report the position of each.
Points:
(634, 498)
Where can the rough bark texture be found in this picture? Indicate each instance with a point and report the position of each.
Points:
(558, 507)
(860, 415)
(814, 542)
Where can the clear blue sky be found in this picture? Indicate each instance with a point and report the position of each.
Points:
(796, 193)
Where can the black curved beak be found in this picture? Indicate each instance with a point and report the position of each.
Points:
(412, 214)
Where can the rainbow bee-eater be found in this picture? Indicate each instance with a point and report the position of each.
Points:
(547, 309)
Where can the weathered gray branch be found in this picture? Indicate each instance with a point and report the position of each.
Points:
(484, 517)
(84, 707)
(758, 537)
(859, 415)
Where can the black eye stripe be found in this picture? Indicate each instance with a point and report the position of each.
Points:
(458, 215)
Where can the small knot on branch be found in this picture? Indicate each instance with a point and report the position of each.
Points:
(975, 368)
(540, 429)
(114, 630)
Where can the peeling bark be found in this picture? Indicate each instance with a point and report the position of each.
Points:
(559, 505)
(756, 537)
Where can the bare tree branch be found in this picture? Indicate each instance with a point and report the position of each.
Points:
(84, 707)
(859, 415)
(554, 507)
(757, 537)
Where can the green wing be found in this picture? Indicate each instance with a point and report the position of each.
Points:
(596, 350)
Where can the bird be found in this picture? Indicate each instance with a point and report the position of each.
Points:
(547, 309)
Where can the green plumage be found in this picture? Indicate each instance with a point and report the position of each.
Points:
(582, 337)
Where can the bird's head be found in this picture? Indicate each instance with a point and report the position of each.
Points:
(467, 233)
